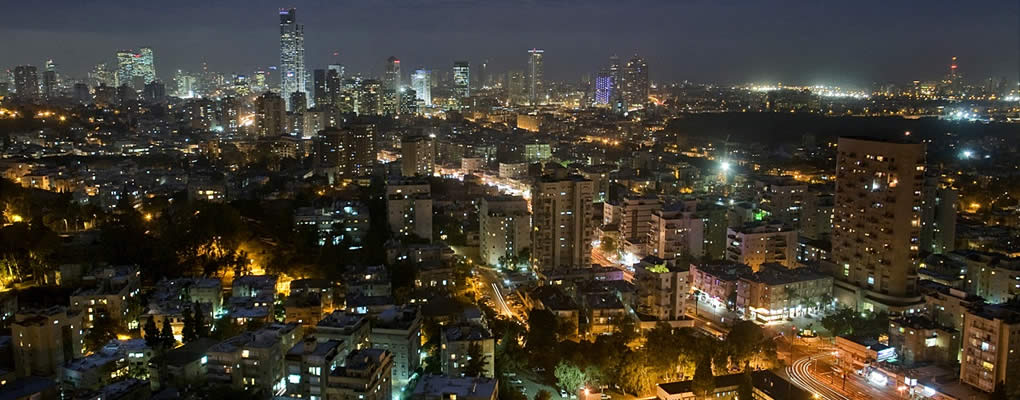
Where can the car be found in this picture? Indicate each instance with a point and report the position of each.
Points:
(517, 381)
(605, 396)
(563, 393)
(539, 369)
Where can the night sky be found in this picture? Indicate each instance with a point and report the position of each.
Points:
(804, 41)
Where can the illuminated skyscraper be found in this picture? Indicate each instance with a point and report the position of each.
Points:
(391, 77)
(135, 69)
(635, 82)
(535, 90)
(292, 55)
(422, 86)
(125, 67)
(461, 79)
(145, 65)
(26, 82)
(603, 87)
(50, 89)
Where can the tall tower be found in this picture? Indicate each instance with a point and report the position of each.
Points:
(26, 82)
(422, 86)
(462, 79)
(50, 89)
(292, 55)
(391, 77)
(603, 87)
(145, 65)
(877, 222)
(635, 82)
(535, 92)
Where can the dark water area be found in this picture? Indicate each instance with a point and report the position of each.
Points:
(786, 128)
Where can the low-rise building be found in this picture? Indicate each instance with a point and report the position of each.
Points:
(756, 244)
(44, 340)
(365, 375)
(662, 289)
(776, 293)
(181, 366)
(352, 329)
(918, 339)
(398, 330)
(308, 365)
(456, 343)
(441, 387)
(253, 360)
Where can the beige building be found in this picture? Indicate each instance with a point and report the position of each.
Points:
(991, 348)
(662, 289)
(417, 156)
(504, 229)
(44, 340)
(456, 343)
(775, 293)
(409, 208)
(253, 360)
(676, 232)
(562, 220)
(365, 376)
(635, 221)
(757, 243)
(877, 222)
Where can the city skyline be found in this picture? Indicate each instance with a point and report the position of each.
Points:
(809, 44)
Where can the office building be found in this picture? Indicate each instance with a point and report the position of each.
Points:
(755, 244)
(135, 68)
(461, 80)
(504, 230)
(536, 90)
(417, 156)
(391, 76)
(603, 88)
(409, 208)
(422, 86)
(877, 222)
(292, 55)
(562, 218)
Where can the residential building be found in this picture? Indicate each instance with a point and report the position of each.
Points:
(308, 366)
(398, 331)
(635, 222)
(45, 339)
(562, 219)
(365, 375)
(254, 360)
(417, 156)
(504, 230)
(774, 293)
(755, 244)
(442, 387)
(409, 208)
(991, 348)
(456, 342)
(662, 289)
(676, 232)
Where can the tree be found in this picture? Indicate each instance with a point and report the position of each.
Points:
(568, 376)
(201, 327)
(704, 381)
(745, 390)
(634, 374)
(543, 395)
(188, 331)
(102, 332)
(840, 322)
(475, 365)
(542, 330)
(166, 335)
(152, 338)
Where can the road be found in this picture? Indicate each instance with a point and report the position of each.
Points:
(814, 374)
(492, 288)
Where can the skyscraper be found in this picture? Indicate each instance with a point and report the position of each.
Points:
(422, 86)
(516, 87)
(535, 89)
(26, 83)
(334, 80)
(603, 87)
(635, 82)
(391, 76)
(292, 55)
(321, 91)
(877, 222)
(50, 89)
(135, 68)
(461, 79)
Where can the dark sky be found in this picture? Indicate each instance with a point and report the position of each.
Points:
(795, 41)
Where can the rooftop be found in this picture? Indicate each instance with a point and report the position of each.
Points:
(461, 387)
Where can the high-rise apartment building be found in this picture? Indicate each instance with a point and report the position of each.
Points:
(346, 153)
(504, 230)
(760, 243)
(270, 115)
(562, 219)
(991, 348)
(938, 216)
(409, 208)
(536, 93)
(635, 221)
(461, 79)
(292, 54)
(422, 86)
(417, 156)
(635, 82)
(26, 83)
(877, 222)
(676, 232)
